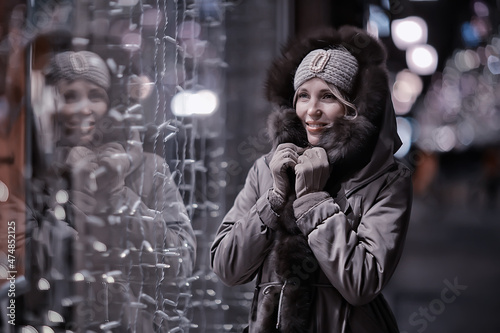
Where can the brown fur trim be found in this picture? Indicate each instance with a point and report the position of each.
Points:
(289, 255)
(284, 126)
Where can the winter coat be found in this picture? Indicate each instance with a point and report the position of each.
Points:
(134, 262)
(321, 264)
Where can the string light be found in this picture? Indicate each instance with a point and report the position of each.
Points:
(155, 50)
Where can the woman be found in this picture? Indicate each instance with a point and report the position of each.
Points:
(322, 218)
(133, 246)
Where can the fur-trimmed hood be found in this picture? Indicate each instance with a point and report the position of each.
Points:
(356, 148)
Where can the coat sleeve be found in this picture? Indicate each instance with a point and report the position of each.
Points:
(244, 237)
(358, 263)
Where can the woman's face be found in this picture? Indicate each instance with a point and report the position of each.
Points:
(82, 105)
(317, 107)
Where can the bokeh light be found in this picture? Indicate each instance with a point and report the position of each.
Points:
(188, 103)
(405, 132)
(409, 31)
(405, 90)
(422, 59)
(378, 22)
(4, 192)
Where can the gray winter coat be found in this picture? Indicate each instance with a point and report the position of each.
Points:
(354, 229)
(131, 266)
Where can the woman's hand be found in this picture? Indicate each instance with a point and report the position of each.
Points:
(311, 171)
(284, 160)
(83, 165)
(114, 164)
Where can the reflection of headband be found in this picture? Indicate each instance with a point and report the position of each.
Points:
(336, 66)
(78, 65)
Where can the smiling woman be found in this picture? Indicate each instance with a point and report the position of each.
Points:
(81, 80)
(121, 205)
(322, 218)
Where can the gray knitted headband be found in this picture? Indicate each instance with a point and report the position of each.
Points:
(79, 65)
(336, 66)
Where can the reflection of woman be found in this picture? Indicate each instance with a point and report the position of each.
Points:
(322, 218)
(128, 213)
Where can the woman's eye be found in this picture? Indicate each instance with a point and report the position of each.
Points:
(70, 96)
(328, 96)
(97, 96)
(303, 95)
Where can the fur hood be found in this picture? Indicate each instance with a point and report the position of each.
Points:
(350, 144)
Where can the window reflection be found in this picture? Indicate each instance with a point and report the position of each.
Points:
(117, 181)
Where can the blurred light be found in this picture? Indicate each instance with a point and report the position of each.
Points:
(99, 246)
(109, 279)
(378, 22)
(78, 277)
(466, 60)
(470, 35)
(151, 17)
(108, 326)
(62, 197)
(494, 64)
(372, 28)
(409, 31)
(422, 59)
(59, 213)
(465, 133)
(482, 26)
(55, 317)
(186, 103)
(127, 2)
(407, 87)
(481, 9)
(131, 41)
(445, 138)
(28, 329)
(194, 47)
(4, 192)
(189, 29)
(43, 284)
(405, 131)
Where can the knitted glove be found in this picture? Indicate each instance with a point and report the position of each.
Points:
(83, 164)
(114, 164)
(311, 172)
(284, 160)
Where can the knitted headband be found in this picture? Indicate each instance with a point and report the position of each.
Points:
(336, 66)
(79, 65)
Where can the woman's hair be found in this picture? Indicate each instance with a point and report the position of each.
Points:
(348, 106)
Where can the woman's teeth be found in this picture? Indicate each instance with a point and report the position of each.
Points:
(315, 125)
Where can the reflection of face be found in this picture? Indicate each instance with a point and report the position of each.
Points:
(317, 107)
(83, 104)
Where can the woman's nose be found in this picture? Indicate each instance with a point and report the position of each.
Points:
(85, 107)
(314, 108)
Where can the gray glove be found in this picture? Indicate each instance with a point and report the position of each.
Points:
(311, 172)
(114, 164)
(285, 158)
(83, 164)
